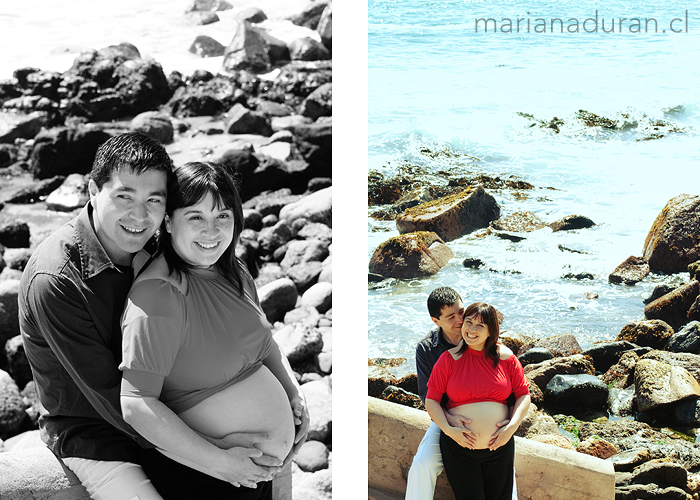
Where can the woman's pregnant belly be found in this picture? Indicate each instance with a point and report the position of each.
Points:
(256, 404)
(484, 416)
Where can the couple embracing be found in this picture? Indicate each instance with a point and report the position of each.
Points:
(156, 371)
(476, 394)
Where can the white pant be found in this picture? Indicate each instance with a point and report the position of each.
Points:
(427, 464)
(113, 480)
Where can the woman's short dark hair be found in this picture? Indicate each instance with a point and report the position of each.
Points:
(488, 315)
(189, 185)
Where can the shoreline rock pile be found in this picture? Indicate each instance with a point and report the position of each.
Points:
(273, 131)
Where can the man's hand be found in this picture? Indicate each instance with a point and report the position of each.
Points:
(460, 422)
(240, 468)
(248, 440)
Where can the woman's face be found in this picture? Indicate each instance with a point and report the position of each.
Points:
(475, 332)
(202, 232)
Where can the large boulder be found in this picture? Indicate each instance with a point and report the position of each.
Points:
(315, 207)
(672, 241)
(410, 255)
(452, 216)
(308, 49)
(299, 251)
(64, 151)
(542, 373)
(686, 340)
(560, 345)
(318, 103)
(242, 120)
(576, 391)
(687, 361)
(607, 354)
(631, 271)
(20, 126)
(652, 333)
(14, 233)
(673, 307)
(658, 384)
(247, 50)
(278, 298)
(154, 124)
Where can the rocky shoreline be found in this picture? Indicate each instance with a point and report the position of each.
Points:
(267, 116)
(634, 401)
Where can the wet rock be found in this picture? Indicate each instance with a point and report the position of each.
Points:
(154, 124)
(318, 395)
(400, 396)
(631, 271)
(542, 373)
(519, 222)
(560, 345)
(452, 216)
(319, 296)
(658, 384)
(687, 361)
(571, 222)
(535, 355)
(242, 120)
(318, 103)
(21, 126)
(299, 251)
(72, 194)
(653, 333)
(312, 456)
(298, 342)
(686, 340)
(64, 151)
(659, 291)
(378, 379)
(14, 233)
(576, 392)
(620, 401)
(308, 49)
(674, 306)
(11, 406)
(325, 27)
(247, 50)
(277, 298)
(252, 15)
(671, 245)
(17, 364)
(410, 255)
(598, 448)
(607, 354)
(315, 207)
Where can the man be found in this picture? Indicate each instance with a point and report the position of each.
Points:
(445, 308)
(72, 297)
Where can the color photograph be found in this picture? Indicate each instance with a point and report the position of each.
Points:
(533, 226)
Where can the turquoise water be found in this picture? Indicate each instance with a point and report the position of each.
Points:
(434, 82)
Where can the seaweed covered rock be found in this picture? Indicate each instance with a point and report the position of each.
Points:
(452, 216)
(672, 241)
(631, 271)
(658, 384)
(410, 255)
(652, 333)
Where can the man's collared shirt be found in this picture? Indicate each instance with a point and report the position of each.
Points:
(70, 304)
(428, 350)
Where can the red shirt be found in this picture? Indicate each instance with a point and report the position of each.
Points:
(472, 379)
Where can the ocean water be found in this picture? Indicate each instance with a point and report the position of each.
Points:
(49, 35)
(437, 82)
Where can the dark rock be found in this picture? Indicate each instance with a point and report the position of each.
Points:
(686, 340)
(208, 97)
(653, 333)
(252, 219)
(20, 126)
(252, 15)
(408, 383)
(247, 50)
(571, 250)
(576, 392)
(14, 233)
(17, 364)
(571, 222)
(277, 50)
(400, 396)
(9, 322)
(379, 378)
(560, 345)
(674, 306)
(318, 103)
(154, 124)
(535, 355)
(607, 354)
(659, 291)
(8, 154)
(687, 413)
(268, 203)
(410, 255)
(37, 190)
(671, 244)
(631, 271)
(242, 120)
(578, 276)
(278, 298)
(621, 374)
(694, 270)
(308, 49)
(64, 150)
(311, 15)
(325, 27)
(542, 373)
(202, 18)
(661, 473)
(473, 263)
(452, 216)
(271, 238)
(206, 46)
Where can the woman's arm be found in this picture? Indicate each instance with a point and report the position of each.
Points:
(437, 414)
(162, 427)
(278, 364)
(503, 434)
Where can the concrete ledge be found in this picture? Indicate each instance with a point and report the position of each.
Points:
(543, 472)
(36, 474)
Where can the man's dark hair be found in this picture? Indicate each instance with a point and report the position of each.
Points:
(190, 184)
(134, 151)
(441, 297)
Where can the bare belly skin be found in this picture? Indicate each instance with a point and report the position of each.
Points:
(484, 416)
(256, 404)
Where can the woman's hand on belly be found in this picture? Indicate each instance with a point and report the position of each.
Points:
(485, 417)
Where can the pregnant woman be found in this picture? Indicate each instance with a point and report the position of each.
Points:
(478, 380)
(199, 362)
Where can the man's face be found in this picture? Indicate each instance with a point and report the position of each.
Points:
(450, 320)
(127, 211)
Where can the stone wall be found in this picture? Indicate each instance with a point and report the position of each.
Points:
(543, 472)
